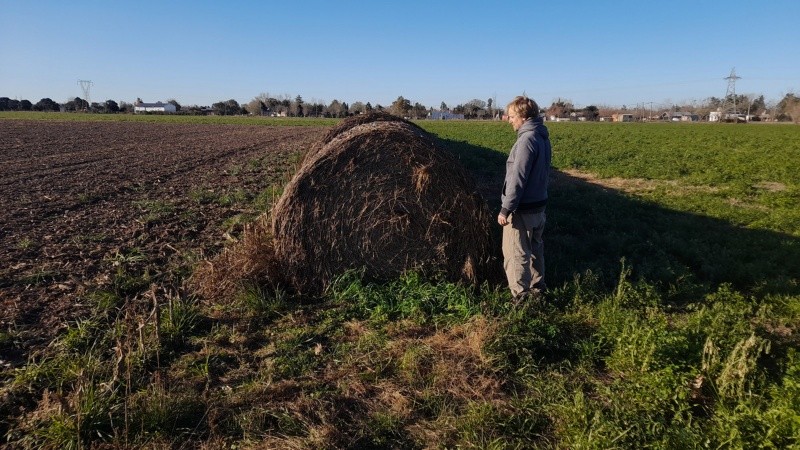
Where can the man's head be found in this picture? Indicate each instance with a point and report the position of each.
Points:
(521, 109)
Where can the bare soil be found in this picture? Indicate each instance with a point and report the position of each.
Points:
(90, 207)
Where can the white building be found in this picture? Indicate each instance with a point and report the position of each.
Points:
(157, 107)
(684, 117)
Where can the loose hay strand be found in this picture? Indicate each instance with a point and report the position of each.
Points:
(252, 258)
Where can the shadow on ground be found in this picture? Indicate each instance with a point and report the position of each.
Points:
(592, 228)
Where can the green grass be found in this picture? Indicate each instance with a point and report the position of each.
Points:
(688, 203)
(672, 322)
(743, 174)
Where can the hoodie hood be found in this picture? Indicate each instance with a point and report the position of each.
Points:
(537, 125)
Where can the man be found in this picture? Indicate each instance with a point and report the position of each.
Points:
(522, 213)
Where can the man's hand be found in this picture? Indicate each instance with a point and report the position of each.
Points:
(502, 220)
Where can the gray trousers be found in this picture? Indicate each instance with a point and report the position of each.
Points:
(523, 252)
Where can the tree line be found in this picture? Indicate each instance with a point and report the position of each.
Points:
(263, 104)
(787, 109)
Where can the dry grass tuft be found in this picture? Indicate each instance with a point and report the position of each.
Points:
(251, 259)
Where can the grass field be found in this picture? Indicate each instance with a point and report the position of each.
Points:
(673, 254)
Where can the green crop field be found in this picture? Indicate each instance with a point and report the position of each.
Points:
(673, 321)
(714, 203)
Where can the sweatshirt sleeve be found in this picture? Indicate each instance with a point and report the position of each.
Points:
(518, 169)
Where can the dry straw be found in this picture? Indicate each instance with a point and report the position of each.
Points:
(250, 260)
(379, 194)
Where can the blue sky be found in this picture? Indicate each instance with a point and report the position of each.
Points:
(591, 52)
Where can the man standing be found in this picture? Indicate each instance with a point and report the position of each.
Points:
(522, 213)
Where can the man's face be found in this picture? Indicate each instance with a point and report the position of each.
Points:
(515, 120)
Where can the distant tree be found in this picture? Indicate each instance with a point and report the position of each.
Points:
(13, 105)
(25, 105)
(125, 107)
(273, 103)
(562, 108)
(489, 106)
(476, 103)
(713, 103)
(263, 104)
(368, 107)
(591, 112)
(400, 107)
(443, 107)
(314, 108)
(262, 97)
(111, 107)
(419, 111)
(174, 103)
(742, 101)
(79, 104)
(357, 108)
(227, 108)
(46, 104)
(758, 105)
(4, 104)
(474, 106)
(195, 110)
(296, 108)
(219, 108)
(337, 109)
(256, 107)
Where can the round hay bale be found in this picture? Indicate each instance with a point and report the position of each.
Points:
(354, 121)
(383, 197)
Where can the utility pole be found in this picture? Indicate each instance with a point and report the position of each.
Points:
(731, 92)
(86, 85)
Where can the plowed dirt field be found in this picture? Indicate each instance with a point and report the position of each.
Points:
(96, 208)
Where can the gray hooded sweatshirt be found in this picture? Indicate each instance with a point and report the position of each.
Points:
(527, 170)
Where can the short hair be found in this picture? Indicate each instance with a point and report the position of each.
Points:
(524, 107)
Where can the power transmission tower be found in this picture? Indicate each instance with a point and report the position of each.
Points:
(86, 85)
(729, 104)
